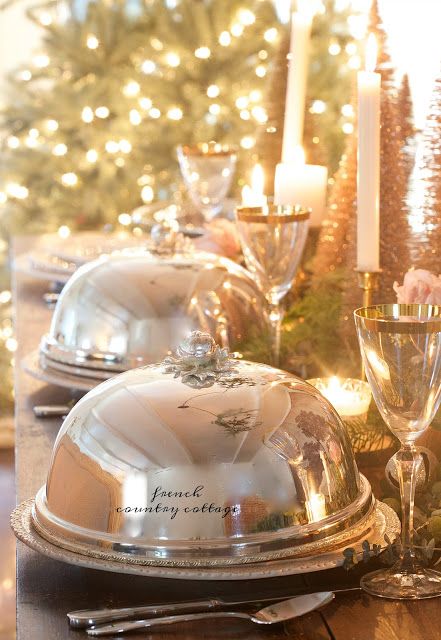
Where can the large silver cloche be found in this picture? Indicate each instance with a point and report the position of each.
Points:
(130, 308)
(202, 460)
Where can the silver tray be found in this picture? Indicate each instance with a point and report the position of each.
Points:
(386, 522)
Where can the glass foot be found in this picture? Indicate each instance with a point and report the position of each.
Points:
(397, 584)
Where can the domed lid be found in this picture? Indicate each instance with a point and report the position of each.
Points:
(130, 308)
(203, 458)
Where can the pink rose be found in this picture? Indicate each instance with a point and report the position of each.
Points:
(419, 287)
(220, 237)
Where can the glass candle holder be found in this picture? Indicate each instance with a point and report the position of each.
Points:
(349, 396)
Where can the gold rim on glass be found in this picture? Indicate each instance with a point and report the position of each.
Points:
(273, 213)
(386, 318)
(209, 149)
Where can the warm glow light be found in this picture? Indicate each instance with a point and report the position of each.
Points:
(334, 49)
(270, 35)
(173, 59)
(247, 142)
(112, 146)
(69, 179)
(214, 109)
(308, 8)
(316, 507)
(298, 155)
(347, 128)
(102, 112)
(260, 71)
(246, 17)
(41, 61)
(92, 41)
(225, 39)
(259, 114)
(52, 125)
(245, 114)
(13, 142)
(147, 194)
(25, 75)
(125, 146)
(145, 103)
(92, 156)
(16, 190)
(371, 53)
(148, 66)
(242, 102)
(237, 29)
(60, 149)
(3, 197)
(11, 344)
(347, 110)
(131, 89)
(202, 52)
(255, 95)
(45, 18)
(154, 113)
(87, 114)
(318, 107)
(175, 113)
(64, 231)
(5, 296)
(135, 117)
(125, 219)
(213, 91)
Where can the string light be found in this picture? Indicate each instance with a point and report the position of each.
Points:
(202, 52)
(60, 149)
(64, 231)
(213, 91)
(156, 44)
(348, 127)
(334, 49)
(16, 190)
(125, 219)
(145, 103)
(245, 114)
(214, 109)
(259, 114)
(318, 107)
(148, 66)
(52, 125)
(237, 29)
(351, 48)
(25, 75)
(102, 112)
(131, 89)
(13, 142)
(175, 113)
(173, 59)
(31, 142)
(154, 113)
(120, 162)
(135, 117)
(41, 61)
(11, 344)
(69, 179)
(260, 71)
(242, 102)
(246, 17)
(92, 156)
(87, 114)
(271, 35)
(112, 146)
(5, 296)
(247, 142)
(225, 39)
(255, 95)
(354, 62)
(347, 110)
(125, 146)
(147, 194)
(34, 133)
(3, 197)
(263, 55)
(45, 19)
(92, 41)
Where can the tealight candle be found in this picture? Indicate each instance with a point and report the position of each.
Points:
(316, 507)
(350, 397)
(253, 196)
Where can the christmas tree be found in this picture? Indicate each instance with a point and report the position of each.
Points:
(95, 120)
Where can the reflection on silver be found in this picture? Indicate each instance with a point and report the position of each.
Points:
(255, 466)
(127, 310)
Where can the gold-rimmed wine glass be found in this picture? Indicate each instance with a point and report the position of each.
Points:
(401, 350)
(273, 239)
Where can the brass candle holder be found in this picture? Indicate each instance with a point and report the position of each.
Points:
(368, 283)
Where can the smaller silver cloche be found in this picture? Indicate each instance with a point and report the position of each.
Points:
(203, 460)
(131, 308)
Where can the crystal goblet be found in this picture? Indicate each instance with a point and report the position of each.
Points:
(208, 170)
(401, 350)
(273, 239)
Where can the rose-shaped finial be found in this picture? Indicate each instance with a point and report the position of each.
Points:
(419, 287)
(197, 345)
(199, 361)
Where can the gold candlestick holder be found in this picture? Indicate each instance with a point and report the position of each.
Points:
(368, 283)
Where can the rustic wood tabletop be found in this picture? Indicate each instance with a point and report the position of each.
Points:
(47, 590)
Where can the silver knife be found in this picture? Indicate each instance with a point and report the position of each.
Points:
(89, 617)
(51, 410)
(275, 613)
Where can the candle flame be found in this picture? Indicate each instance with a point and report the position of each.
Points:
(257, 180)
(371, 53)
(308, 8)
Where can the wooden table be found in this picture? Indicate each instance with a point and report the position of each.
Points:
(47, 589)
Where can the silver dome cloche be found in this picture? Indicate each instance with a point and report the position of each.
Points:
(203, 459)
(131, 308)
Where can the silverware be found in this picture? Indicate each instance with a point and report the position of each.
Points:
(50, 298)
(285, 610)
(90, 617)
(51, 410)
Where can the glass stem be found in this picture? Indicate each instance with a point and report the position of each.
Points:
(275, 319)
(407, 463)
